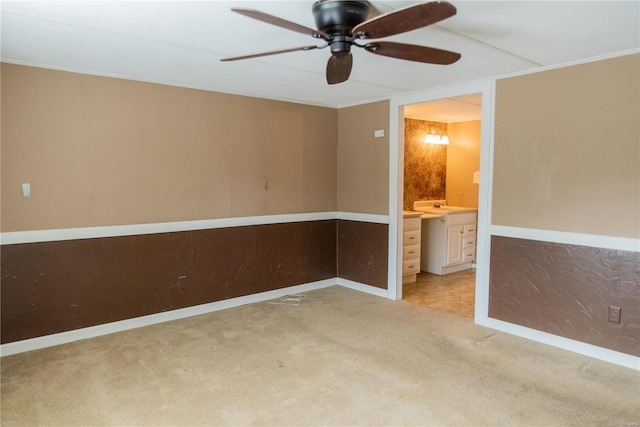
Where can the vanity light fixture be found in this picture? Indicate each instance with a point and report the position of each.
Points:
(436, 138)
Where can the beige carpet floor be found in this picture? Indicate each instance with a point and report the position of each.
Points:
(339, 358)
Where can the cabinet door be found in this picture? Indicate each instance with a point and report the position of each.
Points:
(454, 245)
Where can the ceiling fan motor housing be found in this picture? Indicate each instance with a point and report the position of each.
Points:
(337, 18)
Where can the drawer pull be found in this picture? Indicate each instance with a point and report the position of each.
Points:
(412, 238)
(412, 252)
(411, 266)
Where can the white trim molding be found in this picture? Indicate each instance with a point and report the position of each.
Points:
(33, 236)
(396, 181)
(353, 216)
(367, 289)
(580, 239)
(579, 347)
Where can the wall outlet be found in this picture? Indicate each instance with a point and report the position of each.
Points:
(182, 282)
(614, 314)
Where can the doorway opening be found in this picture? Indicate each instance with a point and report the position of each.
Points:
(441, 168)
(473, 189)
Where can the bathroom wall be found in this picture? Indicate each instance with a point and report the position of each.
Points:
(463, 159)
(425, 165)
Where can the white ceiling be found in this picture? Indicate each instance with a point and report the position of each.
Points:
(181, 43)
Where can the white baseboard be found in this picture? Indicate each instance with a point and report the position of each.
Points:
(579, 347)
(368, 289)
(152, 319)
(589, 350)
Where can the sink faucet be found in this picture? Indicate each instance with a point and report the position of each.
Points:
(436, 204)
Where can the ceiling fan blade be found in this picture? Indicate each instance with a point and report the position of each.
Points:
(403, 20)
(339, 68)
(272, 52)
(283, 23)
(410, 52)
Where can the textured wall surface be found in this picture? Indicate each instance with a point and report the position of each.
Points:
(54, 287)
(425, 165)
(566, 290)
(363, 252)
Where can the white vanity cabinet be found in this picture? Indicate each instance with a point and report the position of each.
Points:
(411, 236)
(449, 242)
(469, 243)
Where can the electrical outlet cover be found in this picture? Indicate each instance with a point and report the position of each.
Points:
(614, 314)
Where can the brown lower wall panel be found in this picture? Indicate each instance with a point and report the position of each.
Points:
(53, 287)
(566, 290)
(363, 252)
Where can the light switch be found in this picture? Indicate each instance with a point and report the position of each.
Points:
(378, 133)
(26, 190)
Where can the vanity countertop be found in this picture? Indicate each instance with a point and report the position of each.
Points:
(423, 215)
(411, 214)
(430, 215)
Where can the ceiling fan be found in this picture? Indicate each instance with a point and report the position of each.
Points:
(343, 24)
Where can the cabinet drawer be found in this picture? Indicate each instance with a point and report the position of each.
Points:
(468, 254)
(411, 252)
(411, 267)
(410, 238)
(469, 242)
(469, 230)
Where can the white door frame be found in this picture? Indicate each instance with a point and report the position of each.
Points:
(396, 178)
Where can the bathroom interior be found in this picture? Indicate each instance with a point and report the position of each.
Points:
(440, 202)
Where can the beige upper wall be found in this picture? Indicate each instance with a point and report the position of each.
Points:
(463, 159)
(363, 160)
(567, 149)
(101, 151)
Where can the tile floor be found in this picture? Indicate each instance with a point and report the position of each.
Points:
(454, 292)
